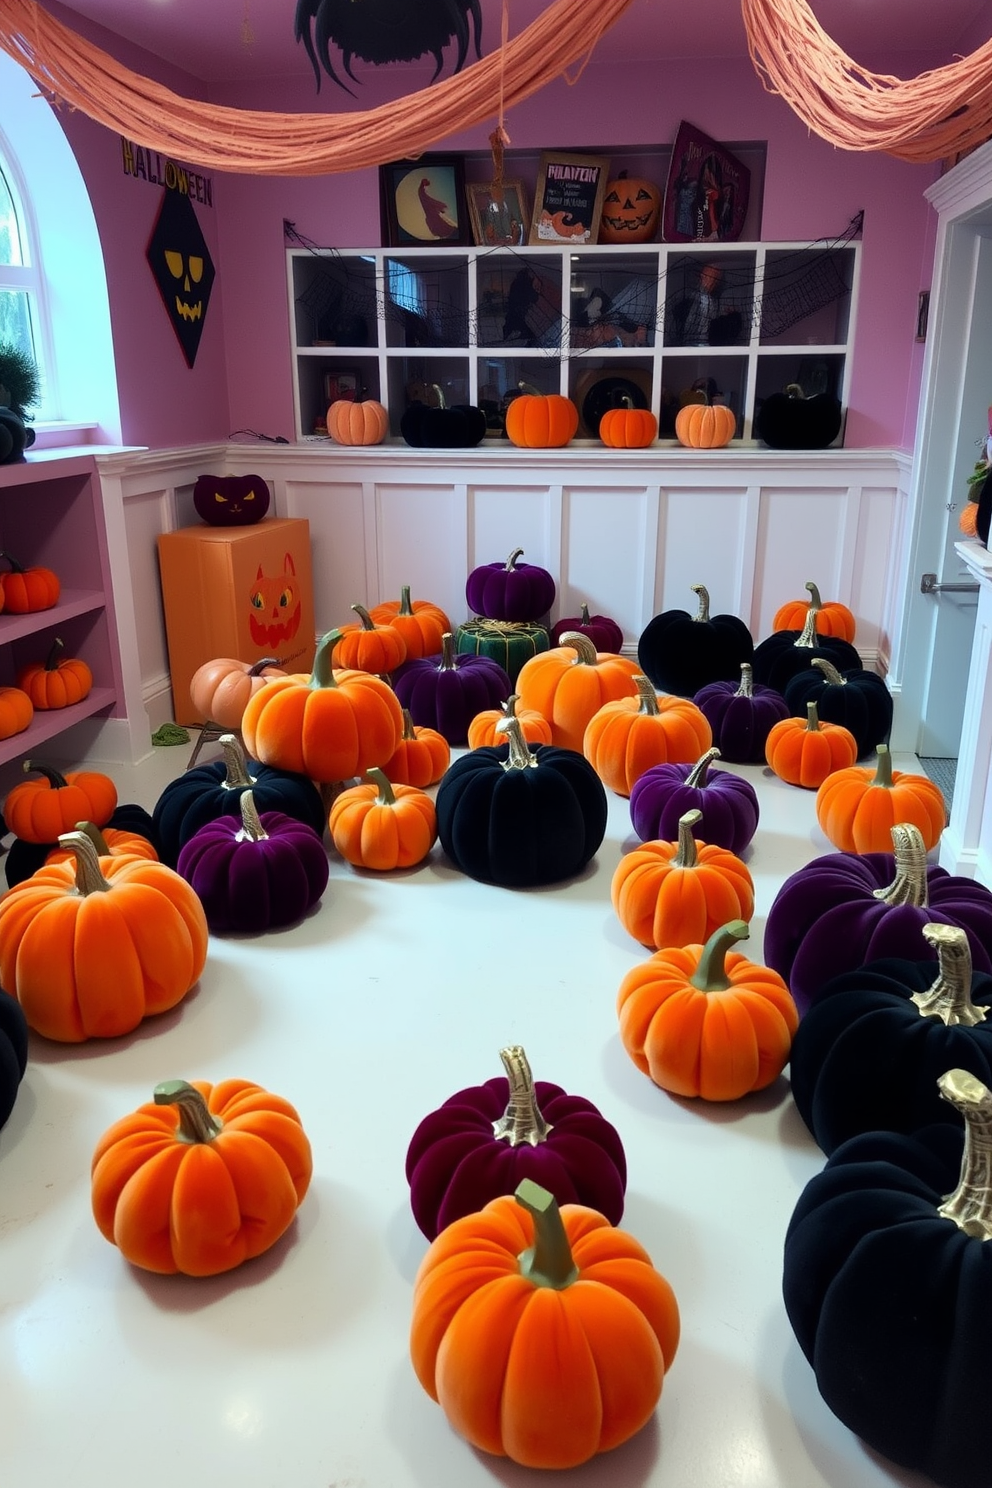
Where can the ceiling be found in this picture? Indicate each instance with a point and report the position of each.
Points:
(205, 37)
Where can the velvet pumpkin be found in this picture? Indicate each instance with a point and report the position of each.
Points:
(510, 643)
(571, 682)
(678, 893)
(703, 1020)
(201, 1178)
(352, 422)
(843, 910)
(108, 842)
(682, 653)
(58, 681)
(887, 1283)
(705, 425)
(421, 757)
(208, 791)
(541, 420)
(16, 711)
(91, 948)
(544, 1335)
(626, 737)
(604, 632)
(485, 725)
(255, 872)
(368, 647)
(13, 1052)
(857, 807)
(805, 751)
(420, 622)
(786, 653)
(868, 1055)
(832, 618)
(856, 698)
(383, 826)
(791, 421)
(519, 816)
(231, 500)
(483, 1140)
(27, 590)
(510, 590)
(728, 803)
(628, 428)
(219, 690)
(458, 427)
(329, 725)
(446, 691)
(123, 831)
(40, 810)
(741, 716)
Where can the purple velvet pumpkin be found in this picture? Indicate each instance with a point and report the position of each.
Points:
(663, 794)
(510, 590)
(231, 500)
(741, 716)
(256, 872)
(845, 909)
(485, 1139)
(605, 634)
(446, 691)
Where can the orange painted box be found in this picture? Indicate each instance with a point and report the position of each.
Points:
(243, 592)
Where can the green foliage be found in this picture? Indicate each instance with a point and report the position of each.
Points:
(20, 384)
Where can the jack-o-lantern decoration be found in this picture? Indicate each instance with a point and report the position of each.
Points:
(275, 606)
(231, 500)
(631, 210)
(184, 272)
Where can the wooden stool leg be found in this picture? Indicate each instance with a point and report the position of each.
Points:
(209, 734)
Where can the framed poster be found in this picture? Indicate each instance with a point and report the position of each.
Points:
(422, 202)
(707, 192)
(569, 199)
(493, 226)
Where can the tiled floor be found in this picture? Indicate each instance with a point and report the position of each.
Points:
(293, 1372)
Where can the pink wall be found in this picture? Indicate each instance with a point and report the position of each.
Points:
(243, 374)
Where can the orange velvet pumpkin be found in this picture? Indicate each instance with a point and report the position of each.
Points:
(420, 622)
(804, 751)
(544, 1334)
(369, 647)
(330, 726)
(111, 842)
(26, 590)
(678, 893)
(382, 826)
(16, 711)
(219, 690)
(39, 810)
(628, 428)
(705, 425)
(90, 948)
(629, 735)
(831, 619)
(56, 682)
(968, 519)
(201, 1178)
(484, 729)
(858, 807)
(571, 682)
(421, 757)
(703, 1020)
(541, 420)
(349, 422)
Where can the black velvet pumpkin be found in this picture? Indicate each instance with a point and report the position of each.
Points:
(867, 1056)
(13, 1052)
(15, 436)
(791, 421)
(856, 698)
(890, 1301)
(213, 790)
(25, 858)
(521, 816)
(788, 653)
(458, 427)
(681, 653)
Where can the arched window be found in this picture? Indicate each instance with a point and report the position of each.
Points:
(24, 320)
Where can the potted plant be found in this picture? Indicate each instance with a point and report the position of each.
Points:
(20, 388)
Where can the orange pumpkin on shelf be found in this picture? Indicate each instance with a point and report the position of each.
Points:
(350, 422)
(58, 681)
(628, 427)
(40, 810)
(631, 210)
(26, 590)
(368, 646)
(484, 729)
(804, 751)
(858, 807)
(679, 893)
(541, 420)
(571, 682)
(219, 690)
(705, 425)
(420, 622)
(629, 735)
(16, 711)
(831, 619)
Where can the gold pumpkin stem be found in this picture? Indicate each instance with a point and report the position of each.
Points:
(89, 879)
(448, 662)
(519, 757)
(815, 602)
(196, 1122)
(807, 637)
(910, 855)
(522, 1120)
(883, 767)
(687, 857)
(970, 1205)
(648, 698)
(746, 688)
(703, 613)
(510, 706)
(386, 796)
(949, 998)
(367, 622)
(697, 775)
(711, 975)
(830, 672)
(580, 643)
(97, 838)
(409, 731)
(812, 718)
(511, 562)
(237, 777)
(251, 823)
(549, 1260)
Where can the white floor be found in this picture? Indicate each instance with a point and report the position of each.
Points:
(293, 1372)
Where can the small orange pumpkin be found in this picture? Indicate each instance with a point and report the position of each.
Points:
(421, 757)
(110, 842)
(541, 420)
(627, 736)
(56, 682)
(26, 590)
(219, 690)
(16, 711)
(804, 751)
(382, 826)
(349, 422)
(420, 622)
(705, 425)
(40, 810)
(831, 619)
(968, 519)
(678, 893)
(628, 428)
(484, 729)
(571, 682)
(369, 647)
(858, 807)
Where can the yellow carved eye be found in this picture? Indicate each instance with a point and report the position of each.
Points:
(196, 269)
(174, 262)
(219, 497)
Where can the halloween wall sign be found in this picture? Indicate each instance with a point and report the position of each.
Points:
(184, 272)
(148, 165)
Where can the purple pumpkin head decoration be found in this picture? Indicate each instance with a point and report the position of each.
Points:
(231, 500)
(510, 590)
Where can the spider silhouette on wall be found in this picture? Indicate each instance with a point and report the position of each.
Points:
(380, 31)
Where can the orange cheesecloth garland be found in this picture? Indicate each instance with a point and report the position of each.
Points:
(940, 113)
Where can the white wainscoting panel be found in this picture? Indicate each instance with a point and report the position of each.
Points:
(702, 540)
(609, 537)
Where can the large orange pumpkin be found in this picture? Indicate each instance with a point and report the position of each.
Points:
(571, 682)
(544, 1334)
(541, 420)
(679, 893)
(201, 1178)
(831, 619)
(631, 734)
(858, 807)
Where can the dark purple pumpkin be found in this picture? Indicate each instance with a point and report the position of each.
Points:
(231, 500)
(868, 1054)
(483, 1140)
(728, 803)
(13, 1052)
(857, 699)
(681, 653)
(787, 653)
(254, 872)
(605, 634)
(510, 590)
(845, 909)
(447, 690)
(741, 716)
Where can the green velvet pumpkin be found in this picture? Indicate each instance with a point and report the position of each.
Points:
(508, 642)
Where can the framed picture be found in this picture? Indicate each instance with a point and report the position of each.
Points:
(422, 202)
(569, 199)
(493, 226)
(344, 384)
(707, 192)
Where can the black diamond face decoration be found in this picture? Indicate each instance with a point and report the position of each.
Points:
(183, 269)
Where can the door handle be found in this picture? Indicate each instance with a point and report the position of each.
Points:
(929, 585)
